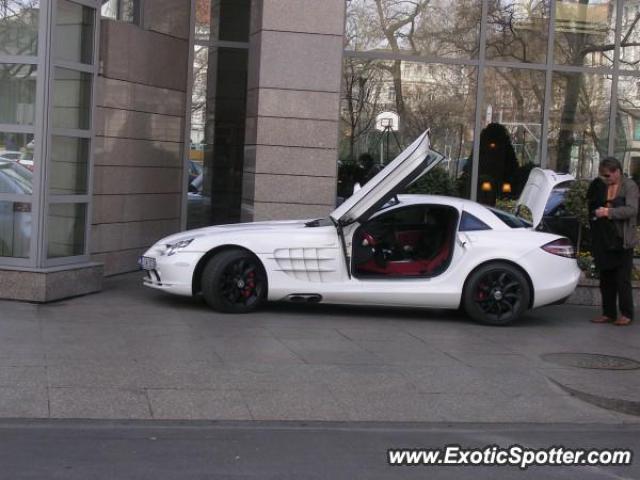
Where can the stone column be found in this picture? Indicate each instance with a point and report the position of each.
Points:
(140, 115)
(293, 98)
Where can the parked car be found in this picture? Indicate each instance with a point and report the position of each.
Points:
(15, 217)
(195, 177)
(377, 248)
(26, 160)
(9, 155)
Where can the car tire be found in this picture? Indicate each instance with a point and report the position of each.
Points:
(496, 294)
(234, 281)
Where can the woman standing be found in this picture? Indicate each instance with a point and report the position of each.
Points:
(613, 203)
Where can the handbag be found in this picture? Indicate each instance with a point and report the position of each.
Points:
(608, 233)
(611, 237)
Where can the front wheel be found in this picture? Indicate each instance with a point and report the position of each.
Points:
(234, 281)
(496, 294)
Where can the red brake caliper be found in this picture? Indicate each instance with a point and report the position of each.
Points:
(250, 285)
(480, 293)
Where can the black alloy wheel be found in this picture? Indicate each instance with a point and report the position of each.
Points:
(496, 294)
(234, 281)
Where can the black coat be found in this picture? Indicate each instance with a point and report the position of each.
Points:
(606, 243)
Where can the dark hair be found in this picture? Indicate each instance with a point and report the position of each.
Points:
(610, 163)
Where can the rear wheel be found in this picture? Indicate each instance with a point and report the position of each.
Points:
(496, 294)
(234, 282)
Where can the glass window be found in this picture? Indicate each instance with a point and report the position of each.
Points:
(510, 219)
(17, 93)
(226, 20)
(511, 137)
(74, 32)
(66, 229)
(630, 36)
(579, 122)
(440, 97)
(15, 178)
(627, 122)
(446, 28)
(71, 99)
(18, 148)
(69, 165)
(109, 9)
(123, 10)
(470, 223)
(518, 30)
(217, 135)
(15, 228)
(19, 27)
(584, 32)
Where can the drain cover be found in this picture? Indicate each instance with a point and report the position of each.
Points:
(591, 360)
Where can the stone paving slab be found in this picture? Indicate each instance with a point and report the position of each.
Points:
(135, 353)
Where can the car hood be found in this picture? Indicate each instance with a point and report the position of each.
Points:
(232, 228)
(411, 164)
(537, 191)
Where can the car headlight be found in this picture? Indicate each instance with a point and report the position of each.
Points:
(175, 247)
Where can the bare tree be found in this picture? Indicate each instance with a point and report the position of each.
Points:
(361, 87)
(394, 17)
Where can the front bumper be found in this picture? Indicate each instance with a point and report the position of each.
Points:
(173, 274)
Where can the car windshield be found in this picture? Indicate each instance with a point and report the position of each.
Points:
(510, 219)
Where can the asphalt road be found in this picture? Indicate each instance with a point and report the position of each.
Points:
(96, 450)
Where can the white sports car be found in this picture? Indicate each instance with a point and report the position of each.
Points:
(380, 248)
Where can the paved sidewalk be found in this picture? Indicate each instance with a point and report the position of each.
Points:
(134, 353)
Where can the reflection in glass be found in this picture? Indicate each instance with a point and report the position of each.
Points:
(69, 165)
(579, 122)
(71, 99)
(17, 93)
(226, 20)
(19, 27)
(517, 30)
(123, 10)
(18, 148)
(15, 178)
(630, 36)
(510, 141)
(445, 28)
(217, 150)
(627, 142)
(109, 9)
(129, 11)
(584, 32)
(74, 32)
(15, 228)
(66, 229)
(440, 97)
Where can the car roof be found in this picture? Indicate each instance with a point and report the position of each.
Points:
(461, 204)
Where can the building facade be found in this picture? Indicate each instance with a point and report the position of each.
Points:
(122, 121)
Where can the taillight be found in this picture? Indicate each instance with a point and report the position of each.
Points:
(22, 207)
(562, 247)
